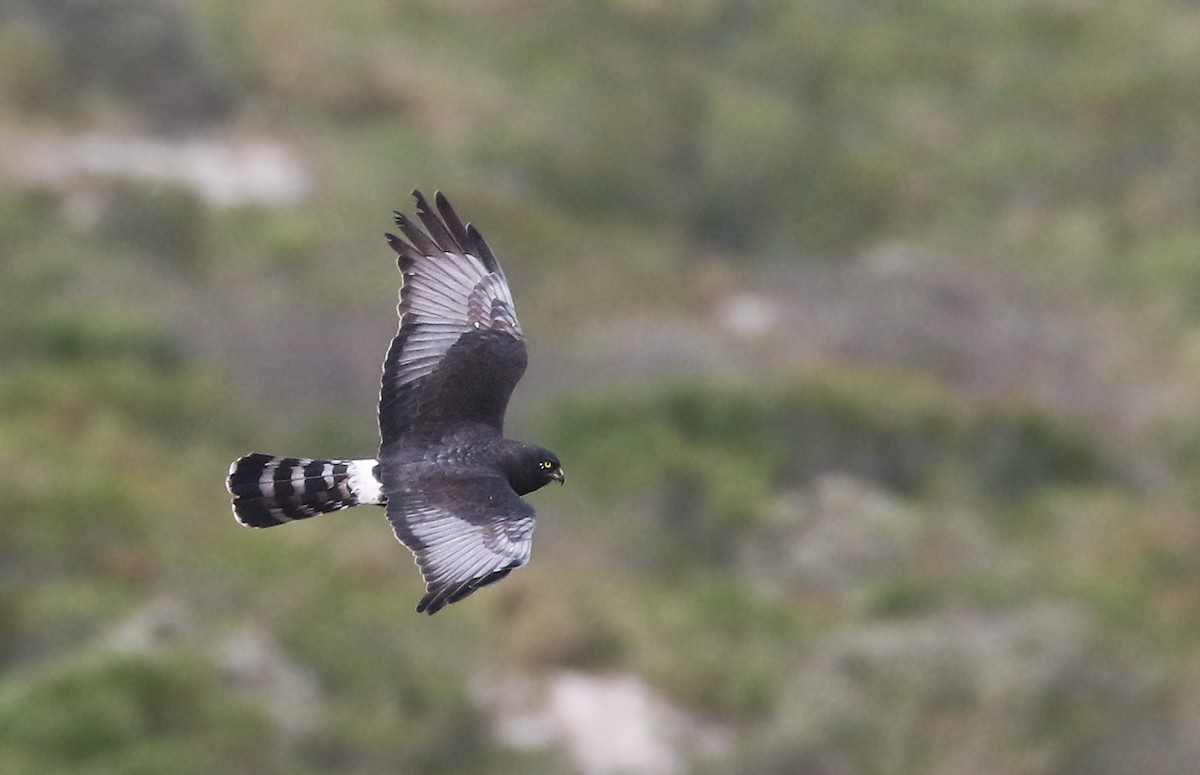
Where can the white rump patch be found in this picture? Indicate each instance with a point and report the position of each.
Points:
(363, 482)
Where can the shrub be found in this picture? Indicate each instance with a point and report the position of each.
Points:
(710, 456)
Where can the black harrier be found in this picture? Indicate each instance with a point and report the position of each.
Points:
(450, 479)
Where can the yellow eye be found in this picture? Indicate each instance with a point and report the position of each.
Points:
(547, 465)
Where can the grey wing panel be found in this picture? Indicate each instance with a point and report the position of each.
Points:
(464, 533)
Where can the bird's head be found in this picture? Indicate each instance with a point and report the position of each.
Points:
(534, 468)
(549, 467)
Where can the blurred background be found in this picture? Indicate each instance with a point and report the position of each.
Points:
(868, 333)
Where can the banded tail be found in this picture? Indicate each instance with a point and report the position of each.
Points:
(269, 491)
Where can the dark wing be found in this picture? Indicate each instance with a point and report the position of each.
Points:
(460, 350)
(465, 533)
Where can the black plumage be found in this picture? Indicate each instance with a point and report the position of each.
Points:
(449, 478)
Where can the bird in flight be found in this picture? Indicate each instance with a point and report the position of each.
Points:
(450, 480)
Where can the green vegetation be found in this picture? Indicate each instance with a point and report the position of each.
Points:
(130, 715)
(933, 508)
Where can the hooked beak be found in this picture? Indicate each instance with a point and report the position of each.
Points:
(558, 475)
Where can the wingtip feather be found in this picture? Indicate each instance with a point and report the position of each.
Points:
(430, 604)
(482, 250)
